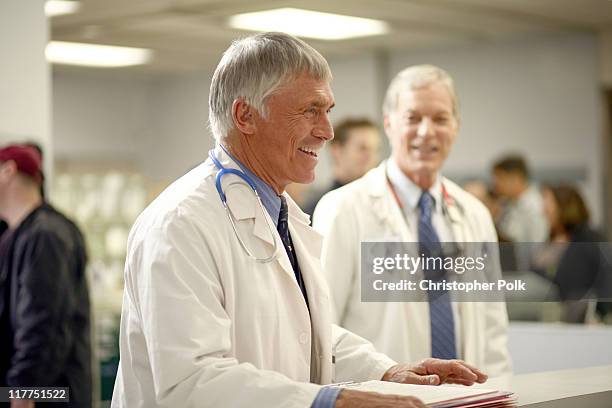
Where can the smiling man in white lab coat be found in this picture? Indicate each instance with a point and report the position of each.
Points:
(226, 306)
(406, 199)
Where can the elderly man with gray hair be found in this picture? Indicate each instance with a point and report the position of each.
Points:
(224, 302)
(407, 200)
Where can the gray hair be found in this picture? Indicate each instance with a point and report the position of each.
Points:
(418, 76)
(253, 68)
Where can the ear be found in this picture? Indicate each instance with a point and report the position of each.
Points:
(457, 126)
(8, 169)
(387, 124)
(457, 123)
(243, 116)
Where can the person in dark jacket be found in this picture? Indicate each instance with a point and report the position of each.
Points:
(44, 300)
(584, 271)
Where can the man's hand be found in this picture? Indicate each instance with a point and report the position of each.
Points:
(20, 403)
(433, 371)
(362, 399)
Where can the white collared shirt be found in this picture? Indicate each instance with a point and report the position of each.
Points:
(409, 194)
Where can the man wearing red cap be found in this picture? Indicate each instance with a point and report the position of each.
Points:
(44, 302)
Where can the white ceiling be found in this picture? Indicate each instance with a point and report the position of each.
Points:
(191, 34)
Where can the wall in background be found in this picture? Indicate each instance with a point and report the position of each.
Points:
(24, 75)
(98, 115)
(178, 137)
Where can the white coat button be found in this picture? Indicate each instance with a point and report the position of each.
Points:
(304, 338)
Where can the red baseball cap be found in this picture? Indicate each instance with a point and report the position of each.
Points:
(26, 158)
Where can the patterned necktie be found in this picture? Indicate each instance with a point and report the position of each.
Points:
(283, 231)
(440, 310)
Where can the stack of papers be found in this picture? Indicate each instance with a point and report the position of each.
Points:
(443, 396)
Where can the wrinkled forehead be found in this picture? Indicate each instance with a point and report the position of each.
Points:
(304, 78)
(306, 87)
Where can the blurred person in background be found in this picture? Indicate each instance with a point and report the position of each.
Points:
(38, 149)
(354, 151)
(584, 267)
(44, 300)
(481, 191)
(407, 199)
(521, 217)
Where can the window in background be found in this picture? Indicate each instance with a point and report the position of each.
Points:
(104, 199)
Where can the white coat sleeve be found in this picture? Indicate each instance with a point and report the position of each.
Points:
(497, 356)
(340, 252)
(174, 278)
(356, 358)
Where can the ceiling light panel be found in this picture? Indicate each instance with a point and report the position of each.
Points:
(94, 55)
(60, 7)
(310, 24)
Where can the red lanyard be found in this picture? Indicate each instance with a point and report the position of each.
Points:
(397, 199)
(447, 199)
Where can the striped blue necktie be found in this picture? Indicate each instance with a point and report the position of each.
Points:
(440, 310)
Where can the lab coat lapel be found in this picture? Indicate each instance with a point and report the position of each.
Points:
(458, 224)
(244, 206)
(385, 205)
(263, 231)
(264, 228)
(458, 221)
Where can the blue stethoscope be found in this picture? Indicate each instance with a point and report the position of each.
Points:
(225, 171)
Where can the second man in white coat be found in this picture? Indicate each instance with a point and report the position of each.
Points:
(407, 199)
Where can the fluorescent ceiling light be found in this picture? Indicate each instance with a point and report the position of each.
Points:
(60, 7)
(94, 55)
(312, 24)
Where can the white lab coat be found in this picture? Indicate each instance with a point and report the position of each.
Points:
(203, 325)
(366, 210)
